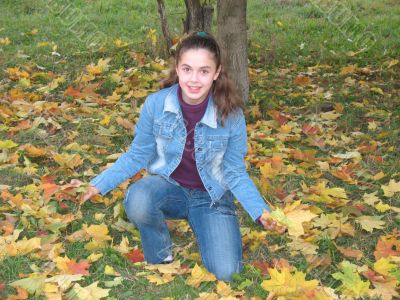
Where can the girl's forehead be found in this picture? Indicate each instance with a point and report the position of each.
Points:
(197, 55)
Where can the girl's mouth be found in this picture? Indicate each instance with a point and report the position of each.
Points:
(194, 89)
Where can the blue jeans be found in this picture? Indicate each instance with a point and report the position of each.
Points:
(152, 199)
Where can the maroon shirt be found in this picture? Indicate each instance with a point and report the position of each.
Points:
(186, 173)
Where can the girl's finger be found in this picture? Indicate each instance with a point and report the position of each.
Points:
(76, 182)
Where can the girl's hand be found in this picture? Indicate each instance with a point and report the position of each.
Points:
(91, 191)
(270, 224)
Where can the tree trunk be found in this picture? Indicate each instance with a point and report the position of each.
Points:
(232, 36)
(198, 17)
(164, 24)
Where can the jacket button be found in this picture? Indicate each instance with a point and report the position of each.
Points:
(199, 149)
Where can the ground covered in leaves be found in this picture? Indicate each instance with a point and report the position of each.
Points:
(323, 150)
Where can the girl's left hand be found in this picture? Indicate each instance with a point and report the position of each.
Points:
(270, 224)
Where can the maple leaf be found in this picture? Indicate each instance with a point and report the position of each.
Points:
(387, 246)
(292, 286)
(102, 66)
(369, 223)
(352, 285)
(293, 216)
(262, 266)
(158, 279)
(357, 254)
(109, 270)
(385, 290)
(302, 80)
(97, 232)
(33, 151)
(76, 268)
(123, 247)
(385, 266)
(390, 189)
(90, 292)
(199, 275)
(70, 266)
(135, 256)
(49, 186)
(69, 161)
(34, 285)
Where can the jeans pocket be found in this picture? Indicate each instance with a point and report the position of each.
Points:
(226, 204)
(225, 209)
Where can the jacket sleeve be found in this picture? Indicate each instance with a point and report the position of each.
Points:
(141, 151)
(235, 175)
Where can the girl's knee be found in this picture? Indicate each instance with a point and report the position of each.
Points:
(137, 203)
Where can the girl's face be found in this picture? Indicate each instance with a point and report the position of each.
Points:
(196, 71)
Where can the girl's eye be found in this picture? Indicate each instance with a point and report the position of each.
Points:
(186, 69)
(204, 72)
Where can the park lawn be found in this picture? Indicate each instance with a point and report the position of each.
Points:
(323, 123)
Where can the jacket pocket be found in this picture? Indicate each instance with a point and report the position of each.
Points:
(163, 130)
(216, 143)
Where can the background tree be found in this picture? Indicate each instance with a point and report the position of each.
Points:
(231, 33)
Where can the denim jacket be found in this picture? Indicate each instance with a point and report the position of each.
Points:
(159, 141)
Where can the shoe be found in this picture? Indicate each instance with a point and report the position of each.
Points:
(167, 260)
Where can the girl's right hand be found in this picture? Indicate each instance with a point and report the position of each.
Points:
(91, 191)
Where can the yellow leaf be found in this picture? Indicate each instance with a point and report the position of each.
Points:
(330, 115)
(378, 176)
(268, 172)
(369, 223)
(26, 246)
(371, 199)
(66, 160)
(106, 120)
(158, 280)
(102, 66)
(94, 257)
(297, 218)
(382, 207)
(292, 286)
(7, 144)
(34, 285)
(90, 292)
(33, 151)
(390, 189)
(97, 232)
(376, 90)
(392, 63)
(350, 69)
(120, 44)
(113, 98)
(352, 285)
(5, 41)
(199, 275)
(109, 270)
(384, 266)
(207, 296)
(123, 247)
(64, 281)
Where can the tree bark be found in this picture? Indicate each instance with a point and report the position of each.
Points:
(232, 36)
(164, 24)
(198, 17)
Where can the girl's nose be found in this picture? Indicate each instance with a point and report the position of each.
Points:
(194, 76)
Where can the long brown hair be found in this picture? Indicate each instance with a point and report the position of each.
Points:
(226, 97)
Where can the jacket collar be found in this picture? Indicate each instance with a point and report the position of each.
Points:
(171, 104)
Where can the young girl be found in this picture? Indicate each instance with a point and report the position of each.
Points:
(191, 137)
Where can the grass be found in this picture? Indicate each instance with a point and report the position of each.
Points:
(286, 39)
